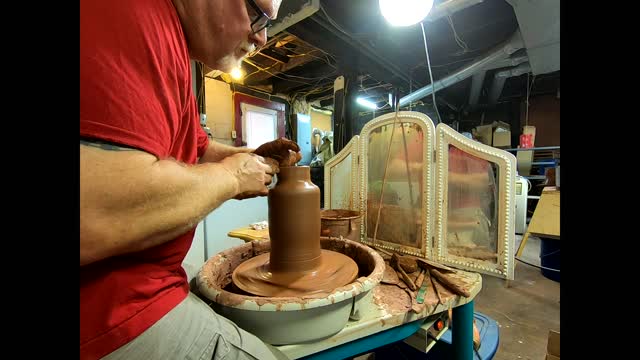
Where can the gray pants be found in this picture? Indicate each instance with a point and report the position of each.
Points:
(192, 330)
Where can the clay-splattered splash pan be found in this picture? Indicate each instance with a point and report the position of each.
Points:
(288, 320)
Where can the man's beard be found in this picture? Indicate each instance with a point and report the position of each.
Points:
(230, 61)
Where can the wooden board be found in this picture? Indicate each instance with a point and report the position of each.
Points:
(248, 234)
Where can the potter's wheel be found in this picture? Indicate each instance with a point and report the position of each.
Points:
(334, 270)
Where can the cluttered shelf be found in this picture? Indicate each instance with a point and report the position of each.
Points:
(538, 163)
(533, 162)
(535, 148)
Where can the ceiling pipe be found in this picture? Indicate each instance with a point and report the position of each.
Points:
(476, 85)
(501, 77)
(508, 62)
(449, 7)
(478, 79)
(499, 52)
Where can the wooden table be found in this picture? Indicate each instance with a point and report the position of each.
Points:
(545, 221)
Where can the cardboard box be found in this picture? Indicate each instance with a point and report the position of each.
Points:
(502, 138)
(496, 134)
(553, 346)
(484, 134)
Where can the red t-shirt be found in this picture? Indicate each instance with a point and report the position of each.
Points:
(135, 90)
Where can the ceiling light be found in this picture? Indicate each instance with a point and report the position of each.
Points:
(366, 103)
(405, 12)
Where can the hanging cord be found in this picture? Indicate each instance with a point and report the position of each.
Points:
(433, 90)
(384, 177)
(529, 88)
(459, 41)
(410, 89)
(406, 163)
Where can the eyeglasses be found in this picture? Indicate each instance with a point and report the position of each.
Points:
(260, 19)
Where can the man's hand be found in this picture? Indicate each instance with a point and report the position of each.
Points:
(251, 173)
(275, 166)
(284, 151)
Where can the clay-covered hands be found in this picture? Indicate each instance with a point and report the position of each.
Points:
(284, 151)
(254, 171)
(251, 173)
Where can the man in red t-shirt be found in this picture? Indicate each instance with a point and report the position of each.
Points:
(149, 174)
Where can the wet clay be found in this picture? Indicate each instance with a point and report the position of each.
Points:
(284, 151)
(296, 264)
(255, 277)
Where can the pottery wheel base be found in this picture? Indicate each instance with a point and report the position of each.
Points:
(255, 277)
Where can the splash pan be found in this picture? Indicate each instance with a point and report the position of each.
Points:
(288, 320)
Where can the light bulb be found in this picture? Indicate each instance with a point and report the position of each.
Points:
(405, 12)
(236, 73)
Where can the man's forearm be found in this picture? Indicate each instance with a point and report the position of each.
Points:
(142, 202)
(217, 151)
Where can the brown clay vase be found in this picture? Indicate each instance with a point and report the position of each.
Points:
(294, 221)
(296, 264)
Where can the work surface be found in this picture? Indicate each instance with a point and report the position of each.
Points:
(391, 306)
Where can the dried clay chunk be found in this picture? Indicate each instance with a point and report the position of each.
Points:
(389, 276)
(409, 265)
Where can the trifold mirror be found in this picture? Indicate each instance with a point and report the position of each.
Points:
(428, 191)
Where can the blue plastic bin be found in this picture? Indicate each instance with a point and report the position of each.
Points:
(550, 258)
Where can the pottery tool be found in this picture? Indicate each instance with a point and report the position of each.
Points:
(384, 253)
(426, 264)
(408, 264)
(407, 280)
(422, 279)
(449, 283)
(435, 289)
(402, 275)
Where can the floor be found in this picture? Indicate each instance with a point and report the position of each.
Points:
(526, 311)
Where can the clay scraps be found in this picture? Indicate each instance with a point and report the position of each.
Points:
(416, 275)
